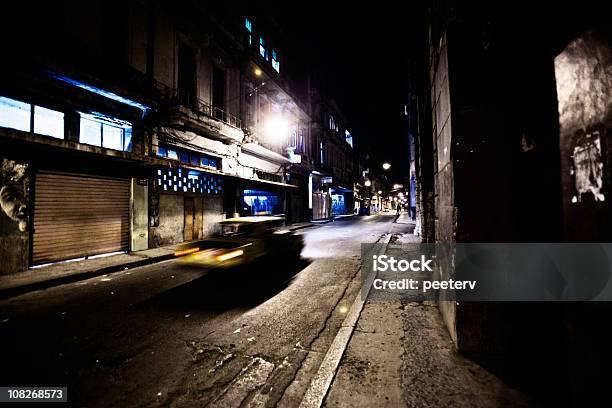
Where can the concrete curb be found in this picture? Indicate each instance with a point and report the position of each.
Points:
(323, 379)
(75, 277)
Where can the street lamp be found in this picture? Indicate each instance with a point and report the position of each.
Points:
(276, 128)
(386, 166)
(367, 183)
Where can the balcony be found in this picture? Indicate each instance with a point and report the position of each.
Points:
(185, 111)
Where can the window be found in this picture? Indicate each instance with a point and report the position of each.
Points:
(104, 131)
(300, 145)
(15, 114)
(48, 122)
(184, 157)
(262, 48)
(188, 157)
(275, 61)
(249, 26)
(322, 152)
(20, 116)
(348, 137)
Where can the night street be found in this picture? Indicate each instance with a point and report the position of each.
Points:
(167, 333)
(209, 206)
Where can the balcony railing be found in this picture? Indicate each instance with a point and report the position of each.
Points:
(189, 100)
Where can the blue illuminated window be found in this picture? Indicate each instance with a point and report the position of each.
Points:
(15, 114)
(275, 61)
(188, 157)
(257, 202)
(348, 137)
(105, 131)
(249, 27)
(262, 48)
(20, 116)
(48, 122)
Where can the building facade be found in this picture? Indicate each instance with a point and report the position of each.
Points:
(509, 149)
(332, 181)
(146, 131)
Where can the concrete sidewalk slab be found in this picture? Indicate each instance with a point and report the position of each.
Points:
(414, 364)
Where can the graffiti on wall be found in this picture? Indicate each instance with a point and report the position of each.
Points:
(587, 165)
(14, 192)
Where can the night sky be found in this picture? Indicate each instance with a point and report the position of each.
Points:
(362, 62)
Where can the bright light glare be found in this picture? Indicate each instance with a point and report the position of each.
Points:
(386, 166)
(396, 186)
(277, 128)
(379, 192)
(368, 183)
(230, 255)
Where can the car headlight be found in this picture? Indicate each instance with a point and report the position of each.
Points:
(230, 255)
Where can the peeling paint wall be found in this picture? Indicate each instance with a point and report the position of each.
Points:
(171, 220)
(213, 214)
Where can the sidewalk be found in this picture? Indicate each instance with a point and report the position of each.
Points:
(72, 271)
(415, 363)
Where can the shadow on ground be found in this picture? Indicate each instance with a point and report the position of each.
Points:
(218, 290)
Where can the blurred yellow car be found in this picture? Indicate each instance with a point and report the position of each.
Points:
(243, 240)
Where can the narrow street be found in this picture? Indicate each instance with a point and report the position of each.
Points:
(171, 334)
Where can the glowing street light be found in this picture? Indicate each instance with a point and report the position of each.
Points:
(258, 72)
(386, 166)
(367, 183)
(379, 192)
(276, 128)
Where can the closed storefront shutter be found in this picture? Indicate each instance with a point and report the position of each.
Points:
(77, 216)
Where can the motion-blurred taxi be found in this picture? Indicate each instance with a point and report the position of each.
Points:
(243, 240)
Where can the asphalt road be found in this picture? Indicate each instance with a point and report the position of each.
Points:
(167, 334)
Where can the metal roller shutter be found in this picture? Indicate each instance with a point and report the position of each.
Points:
(76, 216)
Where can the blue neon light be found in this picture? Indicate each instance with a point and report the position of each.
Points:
(102, 92)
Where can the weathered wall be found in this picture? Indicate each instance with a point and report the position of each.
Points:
(14, 203)
(213, 214)
(137, 52)
(165, 48)
(583, 72)
(171, 220)
(584, 88)
(444, 224)
(139, 216)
